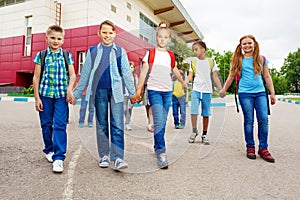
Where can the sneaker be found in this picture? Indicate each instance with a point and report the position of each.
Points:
(120, 164)
(193, 137)
(251, 153)
(265, 154)
(49, 156)
(128, 127)
(162, 161)
(176, 126)
(205, 140)
(90, 124)
(104, 162)
(81, 124)
(58, 166)
(181, 126)
(150, 129)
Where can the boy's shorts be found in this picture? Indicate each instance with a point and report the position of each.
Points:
(205, 99)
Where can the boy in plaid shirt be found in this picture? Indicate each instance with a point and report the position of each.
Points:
(53, 84)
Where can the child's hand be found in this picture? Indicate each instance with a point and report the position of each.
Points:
(222, 93)
(273, 99)
(39, 105)
(186, 101)
(136, 98)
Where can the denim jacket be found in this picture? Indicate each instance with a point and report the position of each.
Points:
(88, 74)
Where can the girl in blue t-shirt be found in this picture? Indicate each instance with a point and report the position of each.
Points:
(253, 69)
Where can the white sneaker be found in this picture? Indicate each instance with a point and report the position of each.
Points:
(58, 166)
(49, 156)
(205, 140)
(128, 127)
(104, 162)
(120, 164)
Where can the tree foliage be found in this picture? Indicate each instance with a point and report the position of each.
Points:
(181, 51)
(291, 71)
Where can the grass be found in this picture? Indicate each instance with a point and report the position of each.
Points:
(20, 95)
(293, 99)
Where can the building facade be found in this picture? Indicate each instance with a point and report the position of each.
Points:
(23, 24)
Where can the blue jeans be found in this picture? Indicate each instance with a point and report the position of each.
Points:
(54, 124)
(258, 102)
(160, 103)
(103, 100)
(82, 110)
(178, 103)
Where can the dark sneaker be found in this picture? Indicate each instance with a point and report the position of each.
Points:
(251, 153)
(104, 162)
(176, 126)
(265, 154)
(205, 140)
(181, 126)
(162, 161)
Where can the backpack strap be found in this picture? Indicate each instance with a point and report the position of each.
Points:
(211, 63)
(172, 55)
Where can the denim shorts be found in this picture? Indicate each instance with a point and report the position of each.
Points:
(205, 99)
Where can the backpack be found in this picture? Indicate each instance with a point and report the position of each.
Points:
(237, 81)
(43, 54)
(93, 51)
(150, 62)
(193, 64)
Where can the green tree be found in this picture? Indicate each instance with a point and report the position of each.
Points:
(291, 71)
(181, 51)
(280, 82)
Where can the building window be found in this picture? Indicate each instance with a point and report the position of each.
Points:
(10, 2)
(147, 29)
(128, 5)
(28, 35)
(81, 59)
(128, 18)
(113, 8)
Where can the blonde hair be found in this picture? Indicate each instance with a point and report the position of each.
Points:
(164, 25)
(236, 62)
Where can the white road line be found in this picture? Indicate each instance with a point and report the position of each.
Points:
(68, 192)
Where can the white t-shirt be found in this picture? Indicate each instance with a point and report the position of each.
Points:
(160, 76)
(202, 81)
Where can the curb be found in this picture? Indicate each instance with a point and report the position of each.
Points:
(31, 99)
(288, 101)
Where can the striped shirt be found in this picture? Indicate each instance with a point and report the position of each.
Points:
(54, 80)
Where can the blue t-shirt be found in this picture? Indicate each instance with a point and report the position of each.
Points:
(250, 83)
(103, 71)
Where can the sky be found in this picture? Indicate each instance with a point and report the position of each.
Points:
(274, 23)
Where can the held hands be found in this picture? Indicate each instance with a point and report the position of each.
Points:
(222, 93)
(136, 98)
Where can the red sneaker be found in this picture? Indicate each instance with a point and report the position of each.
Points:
(251, 153)
(265, 154)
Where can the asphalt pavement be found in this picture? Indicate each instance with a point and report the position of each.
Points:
(220, 170)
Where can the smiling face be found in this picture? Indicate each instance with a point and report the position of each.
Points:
(163, 37)
(247, 45)
(55, 40)
(107, 34)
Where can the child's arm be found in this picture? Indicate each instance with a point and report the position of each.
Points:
(227, 84)
(72, 80)
(179, 77)
(217, 80)
(36, 84)
(269, 82)
(186, 91)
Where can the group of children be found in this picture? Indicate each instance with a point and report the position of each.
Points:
(107, 70)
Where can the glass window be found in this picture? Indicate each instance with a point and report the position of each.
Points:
(147, 29)
(27, 45)
(81, 59)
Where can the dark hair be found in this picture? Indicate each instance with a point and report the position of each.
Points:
(201, 44)
(55, 28)
(107, 22)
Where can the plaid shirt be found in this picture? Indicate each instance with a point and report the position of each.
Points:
(54, 80)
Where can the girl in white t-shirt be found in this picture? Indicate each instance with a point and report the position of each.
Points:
(159, 85)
